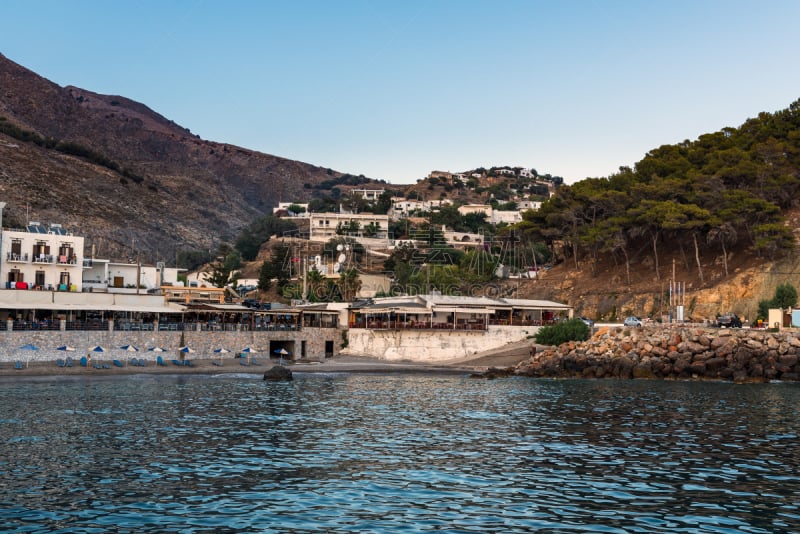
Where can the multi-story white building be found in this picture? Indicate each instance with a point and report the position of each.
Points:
(402, 207)
(324, 226)
(41, 257)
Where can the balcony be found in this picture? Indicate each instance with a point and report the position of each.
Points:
(43, 258)
(67, 260)
(18, 258)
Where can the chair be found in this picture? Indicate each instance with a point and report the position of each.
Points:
(84, 361)
(243, 361)
(68, 363)
(60, 362)
(215, 362)
(188, 363)
(118, 363)
(160, 361)
(253, 361)
(177, 362)
(18, 364)
(134, 362)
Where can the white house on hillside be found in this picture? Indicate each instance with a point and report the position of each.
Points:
(324, 226)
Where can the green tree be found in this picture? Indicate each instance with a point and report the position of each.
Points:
(349, 284)
(265, 276)
(572, 330)
(785, 296)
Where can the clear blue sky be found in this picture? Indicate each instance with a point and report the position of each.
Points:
(395, 89)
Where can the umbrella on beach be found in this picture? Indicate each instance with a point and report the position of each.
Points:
(97, 348)
(249, 350)
(283, 352)
(186, 350)
(66, 348)
(31, 347)
(129, 348)
(157, 349)
(221, 351)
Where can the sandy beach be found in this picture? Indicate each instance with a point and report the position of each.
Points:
(503, 357)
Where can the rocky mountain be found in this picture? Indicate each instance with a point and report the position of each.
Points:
(127, 178)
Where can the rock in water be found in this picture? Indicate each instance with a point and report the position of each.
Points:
(278, 372)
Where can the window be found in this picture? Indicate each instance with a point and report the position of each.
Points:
(39, 278)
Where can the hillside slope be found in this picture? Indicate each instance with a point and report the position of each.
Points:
(170, 190)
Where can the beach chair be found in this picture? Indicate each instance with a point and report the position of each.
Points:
(106, 366)
(68, 362)
(177, 362)
(134, 362)
(60, 362)
(188, 363)
(215, 362)
(254, 361)
(84, 361)
(18, 364)
(118, 363)
(160, 361)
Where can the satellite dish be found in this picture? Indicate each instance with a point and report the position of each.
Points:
(339, 248)
(341, 259)
(336, 267)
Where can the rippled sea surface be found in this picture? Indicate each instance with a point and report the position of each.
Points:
(397, 453)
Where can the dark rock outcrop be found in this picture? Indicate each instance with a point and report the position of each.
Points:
(278, 372)
(494, 372)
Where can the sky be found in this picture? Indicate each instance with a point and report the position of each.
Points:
(396, 89)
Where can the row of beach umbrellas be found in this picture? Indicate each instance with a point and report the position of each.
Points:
(133, 348)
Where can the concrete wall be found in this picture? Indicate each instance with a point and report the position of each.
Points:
(431, 345)
(203, 342)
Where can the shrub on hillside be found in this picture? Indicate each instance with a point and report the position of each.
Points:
(572, 330)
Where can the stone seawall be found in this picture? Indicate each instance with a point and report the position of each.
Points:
(673, 353)
(310, 343)
(431, 346)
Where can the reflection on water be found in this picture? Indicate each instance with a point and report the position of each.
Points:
(345, 453)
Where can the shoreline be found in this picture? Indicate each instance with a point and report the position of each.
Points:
(347, 364)
(503, 357)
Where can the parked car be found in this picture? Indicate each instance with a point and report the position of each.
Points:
(633, 321)
(729, 320)
(588, 321)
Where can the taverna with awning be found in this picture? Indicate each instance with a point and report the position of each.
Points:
(439, 327)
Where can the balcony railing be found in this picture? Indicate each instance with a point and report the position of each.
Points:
(43, 258)
(12, 256)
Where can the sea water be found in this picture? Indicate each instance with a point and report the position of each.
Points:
(396, 453)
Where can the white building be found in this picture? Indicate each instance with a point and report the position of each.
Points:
(368, 194)
(41, 257)
(114, 277)
(402, 207)
(324, 226)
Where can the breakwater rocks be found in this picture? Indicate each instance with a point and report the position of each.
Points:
(673, 353)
